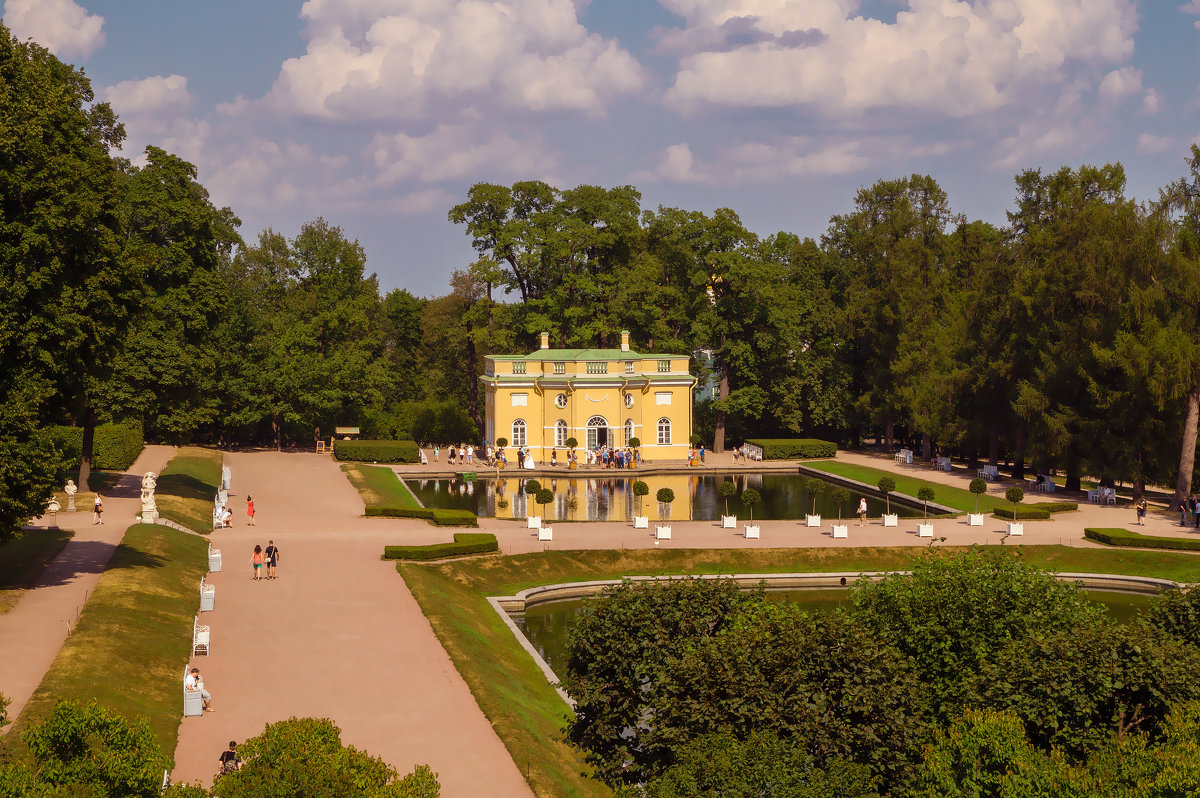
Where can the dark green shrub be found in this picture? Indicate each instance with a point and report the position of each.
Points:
(665, 495)
(1031, 513)
(532, 486)
(751, 497)
(114, 447)
(377, 451)
(465, 543)
(839, 496)
(634, 443)
(435, 515)
(502, 442)
(1124, 537)
(640, 489)
(1057, 507)
(794, 448)
(978, 486)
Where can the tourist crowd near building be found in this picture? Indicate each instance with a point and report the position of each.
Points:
(603, 398)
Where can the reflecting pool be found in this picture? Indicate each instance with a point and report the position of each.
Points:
(607, 497)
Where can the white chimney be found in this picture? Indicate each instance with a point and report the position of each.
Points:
(624, 340)
(545, 340)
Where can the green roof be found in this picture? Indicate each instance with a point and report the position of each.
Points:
(582, 354)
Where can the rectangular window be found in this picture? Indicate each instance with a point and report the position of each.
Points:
(519, 367)
(662, 398)
(520, 400)
(560, 368)
(597, 368)
(664, 365)
(628, 366)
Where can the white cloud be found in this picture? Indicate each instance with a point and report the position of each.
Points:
(1192, 7)
(154, 95)
(453, 152)
(948, 56)
(1119, 84)
(677, 166)
(394, 59)
(1148, 144)
(61, 26)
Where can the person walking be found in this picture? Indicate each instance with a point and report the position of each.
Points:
(249, 509)
(1141, 511)
(97, 511)
(1196, 511)
(256, 560)
(229, 761)
(436, 450)
(862, 511)
(272, 558)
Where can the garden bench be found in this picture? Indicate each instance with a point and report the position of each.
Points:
(942, 464)
(904, 456)
(989, 472)
(424, 459)
(200, 637)
(208, 595)
(193, 700)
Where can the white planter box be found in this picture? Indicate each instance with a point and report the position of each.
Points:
(545, 533)
(813, 521)
(841, 531)
(534, 522)
(1016, 529)
(891, 520)
(924, 530)
(641, 522)
(662, 533)
(214, 559)
(729, 522)
(752, 532)
(974, 519)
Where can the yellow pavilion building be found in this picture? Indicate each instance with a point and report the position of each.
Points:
(600, 397)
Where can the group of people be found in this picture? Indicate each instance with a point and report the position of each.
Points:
(463, 455)
(264, 561)
(610, 458)
(225, 516)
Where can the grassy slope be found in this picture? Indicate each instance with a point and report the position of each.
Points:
(134, 636)
(23, 559)
(379, 485)
(527, 713)
(187, 485)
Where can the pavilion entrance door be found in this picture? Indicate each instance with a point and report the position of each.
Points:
(597, 432)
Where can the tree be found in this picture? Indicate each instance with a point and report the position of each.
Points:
(814, 488)
(665, 496)
(839, 496)
(886, 485)
(543, 497)
(1014, 495)
(306, 756)
(640, 489)
(727, 490)
(751, 497)
(978, 486)
(925, 494)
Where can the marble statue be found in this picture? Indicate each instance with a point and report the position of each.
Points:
(70, 490)
(149, 506)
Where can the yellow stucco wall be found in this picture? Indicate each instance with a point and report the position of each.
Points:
(616, 495)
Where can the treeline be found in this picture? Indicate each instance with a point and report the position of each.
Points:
(975, 675)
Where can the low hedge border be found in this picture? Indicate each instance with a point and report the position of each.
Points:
(794, 448)
(465, 544)
(377, 451)
(114, 446)
(435, 515)
(1032, 512)
(1113, 536)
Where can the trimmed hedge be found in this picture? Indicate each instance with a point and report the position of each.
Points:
(1125, 537)
(377, 451)
(794, 448)
(465, 544)
(1030, 513)
(114, 448)
(435, 515)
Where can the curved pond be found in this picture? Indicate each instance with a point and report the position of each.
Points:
(547, 625)
(608, 497)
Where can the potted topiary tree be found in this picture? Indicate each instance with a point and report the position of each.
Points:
(500, 444)
(571, 444)
(530, 489)
(636, 445)
(695, 441)
(840, 496)
(1016, 496)
(544, 496)
(727, 490)
(978, 486)
(814, 488)
(886, 485)
(640, 489)
(665, 496)
(751, 497)
(925, 494)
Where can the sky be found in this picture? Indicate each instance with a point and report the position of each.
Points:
(379, 115)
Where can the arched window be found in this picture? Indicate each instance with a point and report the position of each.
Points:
(597, 432)
(560, 433)
(628, 430)
(518, 437)
(664, 432)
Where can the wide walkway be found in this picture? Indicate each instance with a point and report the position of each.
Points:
(32, 632)
(337, 635)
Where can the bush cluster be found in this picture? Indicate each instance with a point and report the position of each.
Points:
(114, 448)
(435, 515)
(465, 543)
(377, 451)
(794, 448)
(1040, 511)
(1124, 537)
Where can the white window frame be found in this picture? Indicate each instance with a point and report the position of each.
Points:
(593, 437)
(628, 366)
(518, 432)
(560, 433)
(628, 430)
(664, 431)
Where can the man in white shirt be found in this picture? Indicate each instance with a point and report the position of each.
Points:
(195, 683)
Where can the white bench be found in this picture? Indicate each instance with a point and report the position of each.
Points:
(904, 456)
(208, 596)
(989, 472)
(200, 637)
(545, 533)
(193, 700)
(214, 559)
(424, 459)
(942, 464)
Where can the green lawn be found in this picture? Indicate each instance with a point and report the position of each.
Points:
(133, 639)
(960, 499)
(527, 713)
(23, 559)
(379, 485)
(187, 485)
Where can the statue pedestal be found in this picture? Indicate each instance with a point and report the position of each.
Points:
(149, 516)
(71, 503)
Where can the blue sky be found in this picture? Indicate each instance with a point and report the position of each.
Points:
(380, 114)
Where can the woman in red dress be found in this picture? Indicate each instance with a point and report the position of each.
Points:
(250, 508)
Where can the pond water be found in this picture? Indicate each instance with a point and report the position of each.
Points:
(610, 497)
(547, 625)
